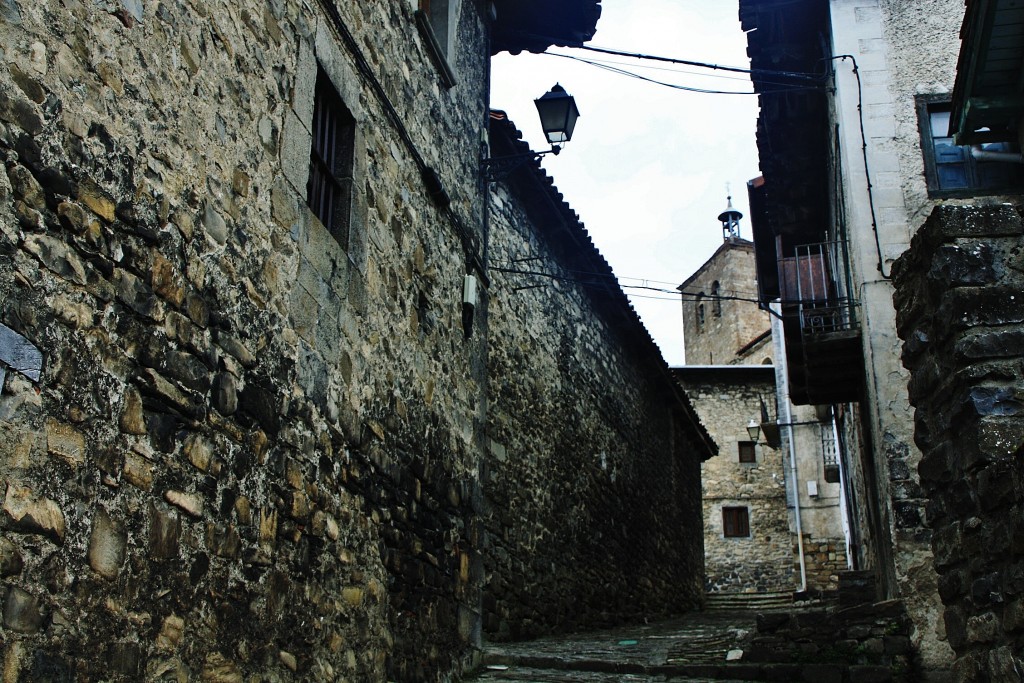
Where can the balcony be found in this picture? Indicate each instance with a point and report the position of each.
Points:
(823, 336)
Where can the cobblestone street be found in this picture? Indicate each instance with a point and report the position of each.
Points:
(714, 645)
(694, 648)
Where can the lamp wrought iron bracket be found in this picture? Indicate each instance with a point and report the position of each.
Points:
(499, 168)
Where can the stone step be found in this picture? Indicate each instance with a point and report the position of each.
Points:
(555, 671)
(502, 674)
(751, 601)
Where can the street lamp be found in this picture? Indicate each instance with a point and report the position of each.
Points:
(754, 430)
(558, 113)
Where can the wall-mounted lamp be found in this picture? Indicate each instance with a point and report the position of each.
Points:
(469, 301)
(558, 113)
(754, 430)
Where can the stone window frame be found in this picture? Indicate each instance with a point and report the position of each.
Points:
(700, 312)
(716, 301)
(746, 451)
(322, 55)
(735, 521)
(929, 105)
(330, 186)
(437, 22)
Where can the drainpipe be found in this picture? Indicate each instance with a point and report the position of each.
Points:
(786, 418)
(981, 154)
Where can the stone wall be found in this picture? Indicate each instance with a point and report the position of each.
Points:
(730, 327)
(845, 644)
(726, 399)
(252, 452)
(902, 50)
(593, 486)
(824, 559)
(925, 43)
(960, 314)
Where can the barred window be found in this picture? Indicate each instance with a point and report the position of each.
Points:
(747, 452)
(331, 160)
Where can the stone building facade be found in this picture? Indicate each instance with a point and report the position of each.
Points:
(959, 312)
(748, 547)
(244, 429)
(793, 535)
(722, 323)
(593, 485)
(846, 167)
(244, 453)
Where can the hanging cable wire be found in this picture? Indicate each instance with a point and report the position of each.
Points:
(676, 86)
(609, 279)
(510, 268)
(817, 78)
(686, 72)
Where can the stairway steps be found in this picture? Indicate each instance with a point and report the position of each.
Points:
(751, 601)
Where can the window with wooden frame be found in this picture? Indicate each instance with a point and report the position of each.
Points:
(331, 160)
(747, 452)
(438, 21)
(736, 522)
(964, 170)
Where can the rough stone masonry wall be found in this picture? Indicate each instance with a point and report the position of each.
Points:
(824, 559)
(594, 487)
(719, 340)
(764, 561)
(251, 455)
(961, 316)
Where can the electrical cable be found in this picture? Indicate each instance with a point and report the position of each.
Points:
(675, 86)
(717, 67)
(620, 278)
(677, 295)
(867, 168)
(798, 75)
(675, 71)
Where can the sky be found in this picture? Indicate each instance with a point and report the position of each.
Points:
(648, 166)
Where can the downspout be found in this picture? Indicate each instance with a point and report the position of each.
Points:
(785, 419)
(982, 154)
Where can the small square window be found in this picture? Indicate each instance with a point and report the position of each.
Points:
(962, 171)
(331, 160)
(736, 522)
(747, 452)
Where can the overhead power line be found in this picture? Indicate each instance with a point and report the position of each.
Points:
(689, 72)
(782, 87)
(631, 74)
(512, 267)
(606, 279)
(817, 78)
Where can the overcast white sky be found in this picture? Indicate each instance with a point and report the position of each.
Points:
(647, 167)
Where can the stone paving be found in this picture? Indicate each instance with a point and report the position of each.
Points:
(798, 644)
(696, 647)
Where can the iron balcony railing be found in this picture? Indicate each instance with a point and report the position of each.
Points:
(830, 451)
(817, 280)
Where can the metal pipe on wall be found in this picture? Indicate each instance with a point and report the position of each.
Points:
(786, 419)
